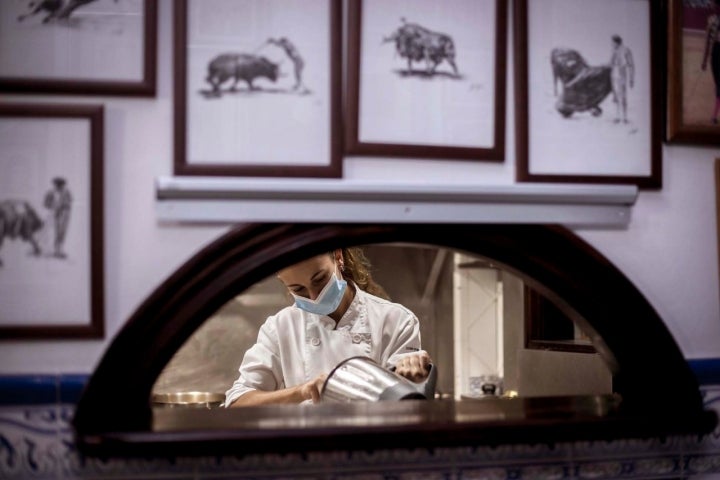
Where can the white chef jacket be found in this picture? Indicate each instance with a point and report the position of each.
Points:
(295, 346)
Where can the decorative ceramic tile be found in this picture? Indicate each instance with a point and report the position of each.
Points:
(29, 442)
(36, 442)
(702, 464)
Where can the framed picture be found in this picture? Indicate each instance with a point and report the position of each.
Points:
(258, 88)
(51, 221)
(426, 78)
(85, 47)
(717, 205)
(693, 72)
(588, 91)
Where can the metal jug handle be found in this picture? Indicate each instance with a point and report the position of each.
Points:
(427, 386)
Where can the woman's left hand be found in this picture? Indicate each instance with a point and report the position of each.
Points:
(414, 367)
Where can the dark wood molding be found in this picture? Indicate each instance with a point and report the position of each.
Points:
(551, 259)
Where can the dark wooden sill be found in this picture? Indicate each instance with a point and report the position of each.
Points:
(408, 424)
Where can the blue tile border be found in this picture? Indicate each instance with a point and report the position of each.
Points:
(28, 389)
(706, 370)
(37, 389)
(71, 387)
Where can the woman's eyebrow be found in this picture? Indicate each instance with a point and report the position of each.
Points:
(317, 275)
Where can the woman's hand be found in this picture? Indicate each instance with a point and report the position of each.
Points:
(312, 389)
(414, 367)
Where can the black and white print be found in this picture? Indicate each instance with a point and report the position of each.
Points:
(421, 57)
(44, 221)
(589, 87)
(90, 40)
(258, 82)
(417, 44)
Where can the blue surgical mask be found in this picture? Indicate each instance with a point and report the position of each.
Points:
(327, 300)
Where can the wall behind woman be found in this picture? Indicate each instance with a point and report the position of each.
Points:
(669, 249)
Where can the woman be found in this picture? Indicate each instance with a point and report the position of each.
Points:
(338, 313)
(712, 51)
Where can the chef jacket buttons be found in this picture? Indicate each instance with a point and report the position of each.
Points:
(357, 338)
(315, 341)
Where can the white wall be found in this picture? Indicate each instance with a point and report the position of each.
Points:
(669, 250)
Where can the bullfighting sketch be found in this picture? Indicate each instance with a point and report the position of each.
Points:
(239, 67)
(623, 76)
(58, 201)
(416, 43)
(585, 87)
(294, 56)
(20, 221)
(56, 9)
(246, 68)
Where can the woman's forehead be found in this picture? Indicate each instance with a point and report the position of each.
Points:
(306, 268)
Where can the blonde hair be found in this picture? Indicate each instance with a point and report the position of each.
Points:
(356, 267)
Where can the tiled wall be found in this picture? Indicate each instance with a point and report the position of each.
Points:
(36, 442)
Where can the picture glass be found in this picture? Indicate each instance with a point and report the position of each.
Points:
(701, 63)
(95, 40)
(589, 84)
(258, 82)
(45, 218)
(403, 87)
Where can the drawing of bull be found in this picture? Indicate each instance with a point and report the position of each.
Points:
(18, 219)
(584, 87)
(57, 9)
(416, 44)
(239, 66)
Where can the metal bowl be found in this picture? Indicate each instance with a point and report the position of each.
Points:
(188, 399)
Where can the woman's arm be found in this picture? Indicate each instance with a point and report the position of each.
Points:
(406, 355)
(307, 391)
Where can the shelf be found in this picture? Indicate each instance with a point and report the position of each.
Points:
(248, 200)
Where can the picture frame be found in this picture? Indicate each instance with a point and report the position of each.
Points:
(82, 34)
(569, 129)
(51, 221)
(692, 103)
(405, 100)
(257, 88)
(716, 172)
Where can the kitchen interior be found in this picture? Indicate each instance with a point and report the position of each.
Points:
(473, 318)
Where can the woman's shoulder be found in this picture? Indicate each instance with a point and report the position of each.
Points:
(387, 306)
(283, 318)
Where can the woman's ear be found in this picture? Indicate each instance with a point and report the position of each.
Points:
(339, 259)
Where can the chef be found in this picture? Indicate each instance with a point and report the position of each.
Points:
(339, 312)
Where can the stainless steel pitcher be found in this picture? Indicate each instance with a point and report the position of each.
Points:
(362, 379)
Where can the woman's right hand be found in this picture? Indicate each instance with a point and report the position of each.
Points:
(414, 367)
(312, 389)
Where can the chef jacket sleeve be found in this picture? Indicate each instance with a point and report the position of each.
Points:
(260, 368)
(404, 339)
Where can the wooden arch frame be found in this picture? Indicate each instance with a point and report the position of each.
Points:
(549, 258)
